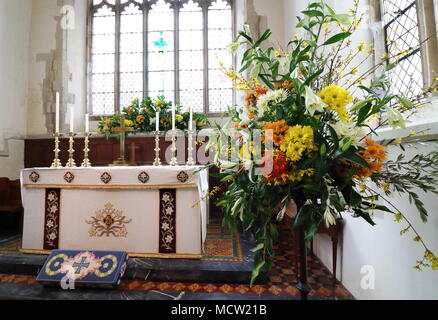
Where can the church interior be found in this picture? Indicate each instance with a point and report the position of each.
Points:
(95, 184)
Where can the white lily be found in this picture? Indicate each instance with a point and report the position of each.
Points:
(313, 102)
(233, 47)
(329, 219)
(395, 118)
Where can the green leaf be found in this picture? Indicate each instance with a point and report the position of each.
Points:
(312, 77)
(302, 22)
(246, 66)
(273, 231)
(256, 271)
(335, 138)
(363, 113)
(258, 248)
(355, 158)
(359, 105)
(313, 13)
(263, 38)
(337, 38)
(344, 19)
(390, 66)
(365, 215)
(227, 178)
(405, 102)
(247, 37)
(323, 150)
(330, 9)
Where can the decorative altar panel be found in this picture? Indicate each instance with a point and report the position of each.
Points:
(146, 211)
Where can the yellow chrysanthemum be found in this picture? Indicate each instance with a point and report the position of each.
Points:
(337, 99)
(129, 123)
(297, 140)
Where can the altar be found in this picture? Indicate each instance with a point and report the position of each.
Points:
(147, 211)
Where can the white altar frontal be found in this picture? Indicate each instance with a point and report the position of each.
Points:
(146, 211)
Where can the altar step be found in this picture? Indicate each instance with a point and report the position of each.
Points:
(158, 270)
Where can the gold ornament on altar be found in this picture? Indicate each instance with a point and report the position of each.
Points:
(107, 222)
(121, 162)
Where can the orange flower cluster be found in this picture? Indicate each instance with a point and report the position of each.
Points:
(279, 128)
(375, 155)
(279, 174)
(140, 119)
(261, 91)
(252, 97)
(238, 125)
(287, 85)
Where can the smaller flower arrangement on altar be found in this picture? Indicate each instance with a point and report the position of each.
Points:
(141, 116)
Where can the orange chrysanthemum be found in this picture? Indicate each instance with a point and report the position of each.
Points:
(375, 155)
(279, 128)
(278, 164)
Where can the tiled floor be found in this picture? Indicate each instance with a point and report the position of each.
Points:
(281, 285)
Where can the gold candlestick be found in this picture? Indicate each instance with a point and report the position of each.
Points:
(71, 162)
(174, 160)
(157, 162)
(190, 160)
(56, 162)
(86, 163)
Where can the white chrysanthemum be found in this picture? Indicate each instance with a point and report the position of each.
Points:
(271, 97)
(277, 95)
(349, 130)
(262, 105)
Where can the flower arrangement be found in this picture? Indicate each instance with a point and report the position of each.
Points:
(317, 117)
(141, 116)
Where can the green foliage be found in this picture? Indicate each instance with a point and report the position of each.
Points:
(141, 114)
(252, 204)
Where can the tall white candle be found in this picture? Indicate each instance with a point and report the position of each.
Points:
(191, 119)
(87, 123)
(57, 113)
(173, 117)
(72, 119)
(157, 122)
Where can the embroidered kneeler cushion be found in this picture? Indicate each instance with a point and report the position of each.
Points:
(73, 269)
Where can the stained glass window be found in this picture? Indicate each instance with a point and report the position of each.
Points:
(403, 45)
(160, 47)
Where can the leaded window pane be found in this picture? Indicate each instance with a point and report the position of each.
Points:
(131, 55)
(191, 56)
(103, 60)
(402, 44)
(220, 34)
(122, 69)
